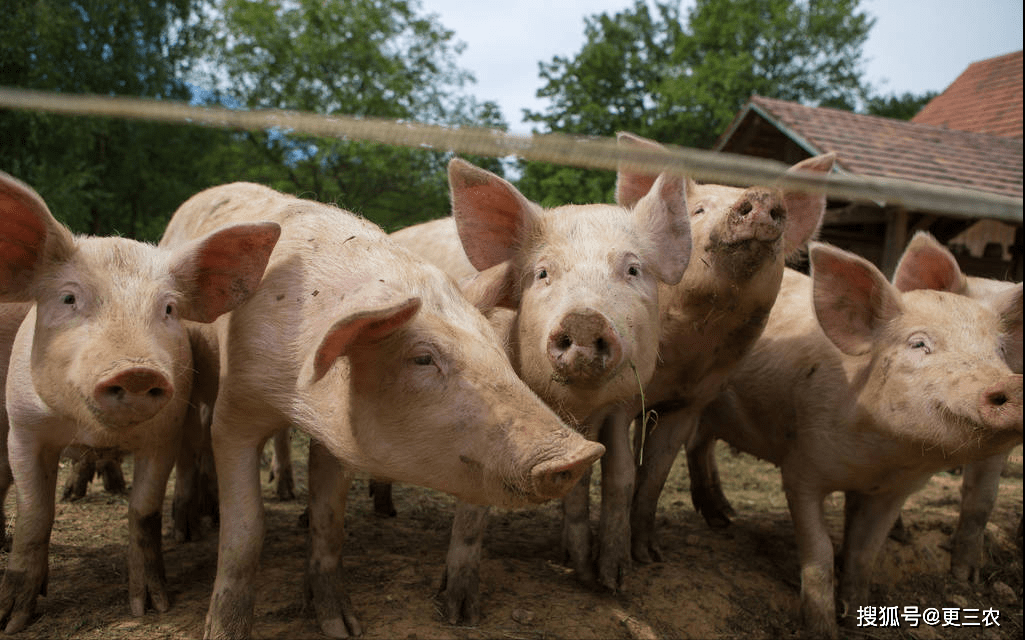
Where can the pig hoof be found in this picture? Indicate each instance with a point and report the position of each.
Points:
(459, 599)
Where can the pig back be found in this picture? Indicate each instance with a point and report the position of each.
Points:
(437, 242)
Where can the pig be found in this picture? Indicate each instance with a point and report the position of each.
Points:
(927, 264)
(709, 320)
(102, 359)
(580, 326)
(390, 369)
(858, 387)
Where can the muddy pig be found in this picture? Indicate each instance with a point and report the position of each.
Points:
(857, 387)
(580, 327)
(380, 358)
(102, 359)
(711, 317)
(927, 264)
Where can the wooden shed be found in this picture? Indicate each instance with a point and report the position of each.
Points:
(888, 148)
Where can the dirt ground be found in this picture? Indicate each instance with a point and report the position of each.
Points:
(741, 582)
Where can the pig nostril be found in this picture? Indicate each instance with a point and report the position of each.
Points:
(114, 391)
(601, 346)
(155, 392)
(777, 213)
(998, 399)
(564, 342)
(744, 208)
(562, 477)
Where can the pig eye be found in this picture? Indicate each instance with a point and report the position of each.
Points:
(698, 211)
(542, 274)
(169, 310)
(920, 343)
(633, 270)
(68, 298)
(423, 359)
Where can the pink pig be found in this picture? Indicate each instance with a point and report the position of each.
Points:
(102, 359)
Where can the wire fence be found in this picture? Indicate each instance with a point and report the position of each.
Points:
(593, 153)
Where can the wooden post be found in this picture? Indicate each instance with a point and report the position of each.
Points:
(895, 240)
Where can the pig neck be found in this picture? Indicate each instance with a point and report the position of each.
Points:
(709, 322)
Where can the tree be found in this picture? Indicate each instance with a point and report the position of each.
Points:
(367, 58)
(902, 107)
(682, 82)
(98, 175)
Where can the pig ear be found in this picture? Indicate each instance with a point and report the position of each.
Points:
(492, 288)
(1009, 305)
(804, 210)
(374, 319)
(491, 215)
(663, 220)
(852, 298)
(927, 264)
(219, 271)
(29, 236)
(632, 186)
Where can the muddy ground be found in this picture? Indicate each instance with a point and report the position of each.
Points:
(741, 582)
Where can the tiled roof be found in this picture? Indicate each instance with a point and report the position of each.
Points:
(885, 147)
(985, 98)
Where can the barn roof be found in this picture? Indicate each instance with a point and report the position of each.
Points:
(876, 146)
(985, 98)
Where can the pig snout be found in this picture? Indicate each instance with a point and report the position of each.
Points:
(132, 395)
(554, 478)
(757, 216)
(584, 349)
(1000, 404)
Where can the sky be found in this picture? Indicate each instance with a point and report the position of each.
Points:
(915, 45)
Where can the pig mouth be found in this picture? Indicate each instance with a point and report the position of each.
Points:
(588, 378)
(742, 258)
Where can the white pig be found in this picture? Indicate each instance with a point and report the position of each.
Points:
(927, 264)
(581, 329)
(380, 358)
(857, 387)
(102, 359)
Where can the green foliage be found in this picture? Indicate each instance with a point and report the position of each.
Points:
(370, 58)
(101, 176)
(683, 81)
(902, 107)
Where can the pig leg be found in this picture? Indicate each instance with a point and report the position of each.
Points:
(329, 489)
(815, 554)
(281, 465)
(576, 529)
(617, 487)
(241, 534)
(660, 448)
(187, 509)
(108, 467)
(6, 477)
(26, 574)
(147, 580)
(380, 491)
(460, 583)
(83, 468)
(705, 486)
(867, 522)
(979, 488)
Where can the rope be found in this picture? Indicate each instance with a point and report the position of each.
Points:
(593, 153)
